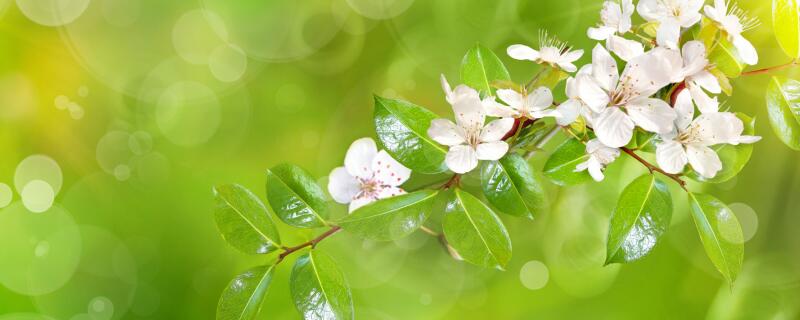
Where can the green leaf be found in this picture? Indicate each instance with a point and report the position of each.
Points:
(475, 232)
(720, 233)
(783, 108)
(550, 77)
(733, 157)
(243, 220)
(243, 296)
(642, 215)
(726, 58)
(724, 82)
(510, 185)
(402, 128)
(786, 25)
(391, 218)
(480, 67)
(560, 167)
(707, 33)
(295, 197)
(319, 289)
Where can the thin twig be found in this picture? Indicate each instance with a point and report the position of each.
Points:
(311, 243)
(771, 69)
(455, 180)
(652, 168)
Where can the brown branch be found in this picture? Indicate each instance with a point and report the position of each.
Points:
(455, 180)
(771, 69)
(653, 168)
(311, 243)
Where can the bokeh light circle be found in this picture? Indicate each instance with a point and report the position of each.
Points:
(280, 30)
(40, 251)
(52, 13)
(121, 13)
(113, 150)
(228, 63)
(188, 113)
(37, 196)
(380, 9)
(140, 142)
(6, 195)
(38, 167)
(102, 286)
(748, 220)
(534, 275)
(197, 34)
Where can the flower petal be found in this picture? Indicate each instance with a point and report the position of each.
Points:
(745, 49)
(705, 103)
(342, 186)
(625, 49)
(493, 108)
(694, 57)
(387, 192)
(522, 52)
(591, 93)
(716, 127)
(671, 156)
(703, 160)
(492, 150)
(496, 129)
(358, 159)
(461, 159)
(684, 110)
(604, 68)
(595, 169)
(613, 127)
(571, 56)
(707, 81)
(446, 132)
(652, 115)
(569, 110)
(510, 97)
(668, 33)
(600, 33)
(387, 171)
(539, 99)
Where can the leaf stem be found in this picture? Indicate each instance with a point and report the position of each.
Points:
(311, 243)
(443, 241)
(767, 70)
(652, 168)
(539, 144)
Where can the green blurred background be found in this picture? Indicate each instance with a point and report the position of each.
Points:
(134, 109)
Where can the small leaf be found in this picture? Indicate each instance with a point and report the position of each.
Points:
(242, 298)
(726, 58)
(295, 197)
(510, 185)
(724, 82)
(480, 67)
(391, 218)
(733, 157)
(642, 216)
(786, 25)
(707, 33)
(720, 233)
(560, 167)
(319, 289)
(783, 107)
(550, 77)
(244, 221)
(475, 232)
(402, 128)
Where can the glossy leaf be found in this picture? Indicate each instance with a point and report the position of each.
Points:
(242, 298)
(402, 128)
(550, 77)
(641, 217)
(295, 197)
(391, 218)
(726, 59)
(560, 167)
(786, 25)
(720, 233)
(783, 107)
(733, 158)
(319, 289)
(707, 33)
(244, 221)
(475, 232)
(724, 81)
(480, 67)
(510, 186)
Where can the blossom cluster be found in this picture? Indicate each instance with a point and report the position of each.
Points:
(614, 104)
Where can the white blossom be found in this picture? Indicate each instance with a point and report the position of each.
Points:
(574, 106)
(367, 175)
(691, 141)
(600, 156)
(733, 21)
(671, 15)
(623, 102)
(615, 18)
(697, 77)
(551, 52)
(533, 105)
(469, 139)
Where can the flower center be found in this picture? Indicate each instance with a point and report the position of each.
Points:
(369, 188)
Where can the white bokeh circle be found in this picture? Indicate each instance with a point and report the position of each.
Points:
(38, 167)
(52, 13)
(37, 196)
(188, 113)
(228, 63)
